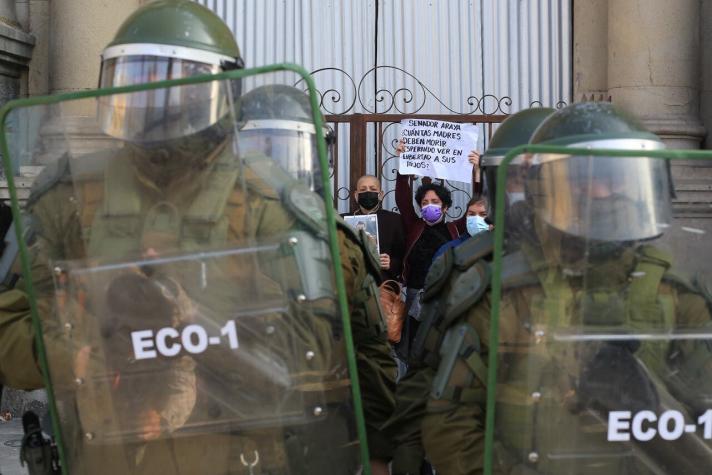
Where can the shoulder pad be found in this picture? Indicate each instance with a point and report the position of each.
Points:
(307, 207)
(704, 285)
(467, 290)
(473, 249)
(516, 271)
(55, 172)
(438, 274)
(696, 285)
(369, 253)
(655, 254)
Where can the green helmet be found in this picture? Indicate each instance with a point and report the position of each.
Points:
(516, 130)
(599, 198)
(277, 121)
(167, 39)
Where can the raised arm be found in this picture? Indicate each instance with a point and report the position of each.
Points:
(404, 195)
(477, 183)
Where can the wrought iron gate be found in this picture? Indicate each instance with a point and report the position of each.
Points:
(366, 117)
(383, 155)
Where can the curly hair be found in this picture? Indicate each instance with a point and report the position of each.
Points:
(442, 192)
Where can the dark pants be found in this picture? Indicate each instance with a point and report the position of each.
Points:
(410, 325)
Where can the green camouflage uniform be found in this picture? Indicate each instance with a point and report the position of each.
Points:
(64, 227)
(446, 416)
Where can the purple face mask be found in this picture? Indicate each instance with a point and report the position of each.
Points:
(432, 213)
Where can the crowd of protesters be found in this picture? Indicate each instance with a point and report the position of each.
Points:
(411, 239)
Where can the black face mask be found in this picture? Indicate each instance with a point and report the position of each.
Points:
(368, 199)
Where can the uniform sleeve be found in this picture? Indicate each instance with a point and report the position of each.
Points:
(404, 200)
(19, 365)
(375, 364)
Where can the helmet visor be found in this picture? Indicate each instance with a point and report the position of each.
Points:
(602, 198)
(292, 148)
(160, 114)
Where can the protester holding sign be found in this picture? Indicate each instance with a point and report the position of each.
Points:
(424, 236)
(368, 196)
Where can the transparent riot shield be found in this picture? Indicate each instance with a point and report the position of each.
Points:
(186, 289)
(601, 346)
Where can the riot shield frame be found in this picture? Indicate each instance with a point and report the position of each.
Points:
(499, 246)
(11, 106)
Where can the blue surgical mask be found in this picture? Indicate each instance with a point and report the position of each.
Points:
(476, 225)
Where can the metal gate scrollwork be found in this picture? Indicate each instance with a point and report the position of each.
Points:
(368, 114)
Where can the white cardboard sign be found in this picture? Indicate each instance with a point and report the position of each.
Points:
(437, 149)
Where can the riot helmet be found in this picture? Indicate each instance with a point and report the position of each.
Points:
(599, 198)
(276, 121)
(167, 39)
(516, 130)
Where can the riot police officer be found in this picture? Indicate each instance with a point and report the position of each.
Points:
(188, 307)
(274, 121)
(602, 357)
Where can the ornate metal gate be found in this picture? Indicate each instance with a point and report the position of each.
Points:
(365, 118)
(384, 158)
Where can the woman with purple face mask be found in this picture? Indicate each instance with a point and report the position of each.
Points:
(424, 235)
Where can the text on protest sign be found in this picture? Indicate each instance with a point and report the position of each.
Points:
(437, 148)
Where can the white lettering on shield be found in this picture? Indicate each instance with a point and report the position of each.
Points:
(645, 425)
(170, 342)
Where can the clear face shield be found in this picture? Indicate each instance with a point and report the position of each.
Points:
(601, 198)
(290, 144)
(160, 115)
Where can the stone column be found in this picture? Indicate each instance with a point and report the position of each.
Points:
(80, 30)
(590, 55)
(706, 60)
(653, 66)
(654, 72)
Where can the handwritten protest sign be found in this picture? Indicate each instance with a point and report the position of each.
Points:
(437, 149)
